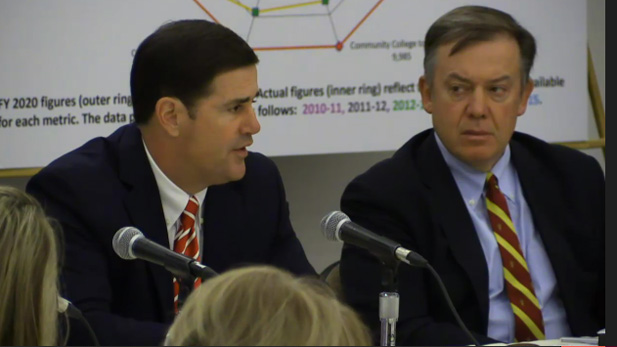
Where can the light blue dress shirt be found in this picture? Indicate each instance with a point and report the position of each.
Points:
(470, 183)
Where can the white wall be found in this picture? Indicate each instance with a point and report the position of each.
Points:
(315, 183)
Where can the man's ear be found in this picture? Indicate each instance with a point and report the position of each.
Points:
(425, 91)
(168, 112)
(522, 107)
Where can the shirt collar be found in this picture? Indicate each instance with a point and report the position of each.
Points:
(173, 198)
(470, 181)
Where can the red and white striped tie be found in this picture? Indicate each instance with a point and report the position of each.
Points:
(186, 242)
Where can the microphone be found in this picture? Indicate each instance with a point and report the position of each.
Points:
(130, 243)
(336, 226)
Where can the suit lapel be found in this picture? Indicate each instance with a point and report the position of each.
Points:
(143, 204)
(545, 201)
(454, 219)
(223, 226)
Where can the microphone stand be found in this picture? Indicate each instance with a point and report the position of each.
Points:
(389, 303)
(186, 281)
(185, 285)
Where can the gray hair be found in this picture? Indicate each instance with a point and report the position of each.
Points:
(468, 25)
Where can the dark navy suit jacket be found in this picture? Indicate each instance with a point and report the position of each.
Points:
(108, 184)
(413, 199)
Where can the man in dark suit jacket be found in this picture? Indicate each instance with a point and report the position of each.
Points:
(476, 84)
(192, 86)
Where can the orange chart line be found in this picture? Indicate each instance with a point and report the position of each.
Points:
(293, 47)
(362, 21)
(289, 6)
(207, 12)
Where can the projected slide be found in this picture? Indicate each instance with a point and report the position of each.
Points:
(289, 24)
(335, 76)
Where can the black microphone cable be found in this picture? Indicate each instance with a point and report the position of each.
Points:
(74, 312)
(444, 291)
(68, 310)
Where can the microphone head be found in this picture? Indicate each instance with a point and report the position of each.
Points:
(331, 225)
(123, 240)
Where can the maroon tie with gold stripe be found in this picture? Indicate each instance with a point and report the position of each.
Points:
(529, 324)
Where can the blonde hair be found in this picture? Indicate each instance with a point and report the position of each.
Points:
(28, 272)
(265, 306)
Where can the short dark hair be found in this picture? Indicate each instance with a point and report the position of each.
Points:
(468, 25)
(181, 59)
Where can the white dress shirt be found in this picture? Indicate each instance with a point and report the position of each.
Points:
(174, 201)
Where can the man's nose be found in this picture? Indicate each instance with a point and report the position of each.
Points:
(477, 106)
(251, 124)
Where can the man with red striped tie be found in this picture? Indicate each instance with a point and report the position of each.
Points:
(182, 174)
(513, 225)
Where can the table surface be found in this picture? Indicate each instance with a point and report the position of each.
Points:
(564, 341)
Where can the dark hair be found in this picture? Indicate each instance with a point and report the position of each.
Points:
(180, 59)
(468, 25)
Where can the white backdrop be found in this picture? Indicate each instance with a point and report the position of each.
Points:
(79, 50)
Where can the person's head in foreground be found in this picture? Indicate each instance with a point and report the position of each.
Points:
(261, 306)
(28, 272)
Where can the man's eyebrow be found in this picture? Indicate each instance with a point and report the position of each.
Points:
(504, 78)
(456, 76)
(238, 101)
